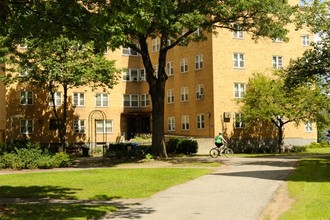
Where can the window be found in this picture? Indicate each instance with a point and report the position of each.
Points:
(169, 68)
(26, 98)
(24, 71)
(78, 99)
(305, 40)
(278, 62)
(238, 33)
(199, 62)
(104, 126)
(239, 121)
(171, 123)
(23, 44)
(156, 67)
(170, 96)
(101, 100)
(143, 74)
(184, 65)
(155, 44)
(239, 90)
(131, 100)
(308, 126)
(57, 99)
(199, 92)
(184, 94)
(200, 120)
(238, 60)
(79, 126)
(145, 100)
(26, 126)
(54, 124)
(131, 75)
(185, 122)
(278, 40)
(128, 51)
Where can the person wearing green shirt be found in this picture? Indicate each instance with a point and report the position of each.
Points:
(220, 141)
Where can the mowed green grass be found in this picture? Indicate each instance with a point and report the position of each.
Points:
(309, 186)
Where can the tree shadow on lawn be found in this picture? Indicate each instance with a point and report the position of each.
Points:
(53, 211)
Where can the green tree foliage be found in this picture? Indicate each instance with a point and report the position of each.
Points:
(267, 99)
(60, 63)
(128, 23)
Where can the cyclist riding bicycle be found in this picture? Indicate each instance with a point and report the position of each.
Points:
(220, 141)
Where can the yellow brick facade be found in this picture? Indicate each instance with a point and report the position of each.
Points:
(203, 116)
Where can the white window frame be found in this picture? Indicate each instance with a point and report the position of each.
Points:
(130, 75)
(143, 74)
(308, 127)
(171, 123)
(78, 98)
(169, 68)
(79, 126)
(104, 126)
(199, 91)
(185, 122)
(200, 121)
(101, 100)
(239, 123)
(144, 100)
(170, 96)
(57, 99)
(305, 40)
(26, 126)
(239, 60)
(239, 90)
(277, 62)
(184, 65)
(199, 62)
(130, 100)
(155, 44)
(26, 98)
(238, 33)
(185, 94)
(127, 51)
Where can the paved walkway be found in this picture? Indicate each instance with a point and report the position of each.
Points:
(239, 190)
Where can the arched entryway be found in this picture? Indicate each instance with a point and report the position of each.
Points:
(95, 136)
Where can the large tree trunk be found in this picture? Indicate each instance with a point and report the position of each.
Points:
(280, 139)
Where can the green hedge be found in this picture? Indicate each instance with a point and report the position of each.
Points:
(181, 146)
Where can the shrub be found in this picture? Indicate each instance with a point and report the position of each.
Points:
(172, 145)
(61, 159)
(12, 161)
(298, 149)
(187, 147)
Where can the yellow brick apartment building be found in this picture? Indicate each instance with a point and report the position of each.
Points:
(205, 80)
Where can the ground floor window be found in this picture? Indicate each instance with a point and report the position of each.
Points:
(26, 126)
(104, 126)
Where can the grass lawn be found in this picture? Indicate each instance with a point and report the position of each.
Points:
(95, 184)
(309, 186)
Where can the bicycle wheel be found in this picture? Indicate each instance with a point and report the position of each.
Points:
(228, 152)
(214, 153)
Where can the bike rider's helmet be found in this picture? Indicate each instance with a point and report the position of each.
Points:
(220, 132)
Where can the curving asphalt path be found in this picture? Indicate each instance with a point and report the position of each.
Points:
(240, 190)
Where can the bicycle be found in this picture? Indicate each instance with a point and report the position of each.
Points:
(215, 152)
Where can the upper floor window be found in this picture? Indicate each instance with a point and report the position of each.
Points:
(78, 99)
(239, 90)
(131, 75)
(239, 123)
(169, 68)
(239, 60)
(184, 65)
(79, 126)
(185, 122)
(144, 100)
(56, 99)
(171, 123)
(54, 124)
(308, 126)
(170, 96)
(131, 100)
(26, 98)
(305, 40)
(199, 62)
(155, 44)
(184, 93)
(200, 120)
(199, 91)
(24, 71)
(101, 100)
(143, 74)
(128, 51)
(26, 126)
(278, 40)
(104, 126)
(23, 44)
(278, 62)
(238, 32)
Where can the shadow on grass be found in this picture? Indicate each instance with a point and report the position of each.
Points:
(52, 192)
(53, 211)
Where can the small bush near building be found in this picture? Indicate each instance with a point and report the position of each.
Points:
(181, 146)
